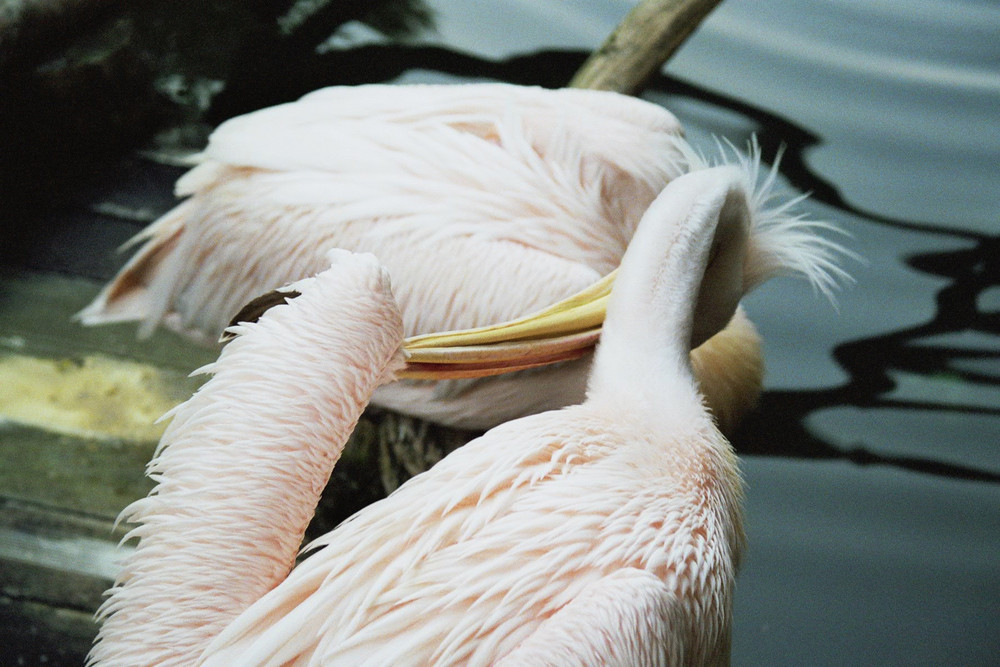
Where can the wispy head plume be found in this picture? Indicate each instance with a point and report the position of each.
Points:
(783, 241)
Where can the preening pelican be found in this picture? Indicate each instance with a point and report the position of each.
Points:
(485, 202)
(606, 533)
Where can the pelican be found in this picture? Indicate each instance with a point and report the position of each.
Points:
(486, 202)
(605, 533)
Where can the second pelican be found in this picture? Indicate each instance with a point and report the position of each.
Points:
(484, 201)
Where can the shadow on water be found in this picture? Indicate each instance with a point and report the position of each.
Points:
(777, 428)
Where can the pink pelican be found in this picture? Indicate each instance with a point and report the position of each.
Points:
(605, 533)
(484, 201)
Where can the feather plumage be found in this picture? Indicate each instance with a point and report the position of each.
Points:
(249, 417)
(619, 518)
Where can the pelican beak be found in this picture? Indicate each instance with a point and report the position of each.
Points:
(566, 330)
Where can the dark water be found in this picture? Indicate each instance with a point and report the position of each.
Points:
(872, 465)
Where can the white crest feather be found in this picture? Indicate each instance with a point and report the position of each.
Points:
(783, 241)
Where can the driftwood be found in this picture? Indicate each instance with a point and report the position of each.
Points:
(641, 44)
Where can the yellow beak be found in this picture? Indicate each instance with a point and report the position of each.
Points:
(566, 330)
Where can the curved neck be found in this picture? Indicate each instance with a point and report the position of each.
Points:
(242, 465)
(729, 368)
(679, 282)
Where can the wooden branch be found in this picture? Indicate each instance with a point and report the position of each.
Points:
(641, 43)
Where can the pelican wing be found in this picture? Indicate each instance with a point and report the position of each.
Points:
(397, 171)
(591, 130)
